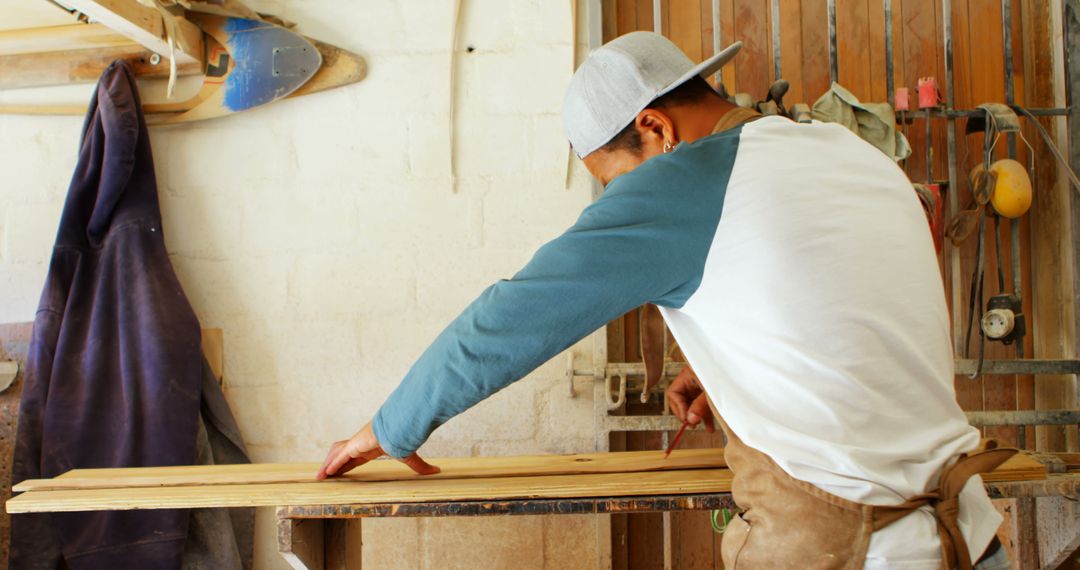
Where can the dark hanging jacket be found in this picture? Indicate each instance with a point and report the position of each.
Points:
(115, 376)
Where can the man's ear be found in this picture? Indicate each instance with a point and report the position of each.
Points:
(656, 127)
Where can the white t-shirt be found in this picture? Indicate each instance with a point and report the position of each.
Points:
(821, 333)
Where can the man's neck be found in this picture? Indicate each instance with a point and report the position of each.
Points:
(699, 120)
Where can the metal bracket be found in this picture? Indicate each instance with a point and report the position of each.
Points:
(618, 402)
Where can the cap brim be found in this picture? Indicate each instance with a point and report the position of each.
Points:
(705, 68)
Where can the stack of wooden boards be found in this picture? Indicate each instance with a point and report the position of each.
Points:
(617, 474)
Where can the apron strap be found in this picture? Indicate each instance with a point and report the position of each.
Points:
(947, 509)
(946, 503)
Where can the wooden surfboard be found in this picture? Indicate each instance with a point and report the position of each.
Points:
(262, 63)
(219, 97)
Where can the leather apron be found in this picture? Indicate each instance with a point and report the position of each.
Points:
(788, 523)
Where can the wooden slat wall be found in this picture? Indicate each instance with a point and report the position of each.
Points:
(918, 51)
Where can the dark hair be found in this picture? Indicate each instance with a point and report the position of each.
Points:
(693, 91)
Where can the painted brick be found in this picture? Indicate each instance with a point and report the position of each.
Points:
(502, 417)
(406, 83)
(226, 291)
(502, 145)
(392, 543)
(21, 284)
(266, 555)
(568, 541)
(30, 231)
(482, 542)
(323, 235)
(531, 79)
(200, 225)
(428, 146)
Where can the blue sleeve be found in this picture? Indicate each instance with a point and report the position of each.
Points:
(644, 241)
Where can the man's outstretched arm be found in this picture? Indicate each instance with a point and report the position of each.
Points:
(634, 245)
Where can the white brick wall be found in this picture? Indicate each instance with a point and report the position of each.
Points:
(323, 236)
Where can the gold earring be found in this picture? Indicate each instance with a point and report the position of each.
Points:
(667, 147)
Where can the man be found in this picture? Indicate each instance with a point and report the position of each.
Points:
(793, 265)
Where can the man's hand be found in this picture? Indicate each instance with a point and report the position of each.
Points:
(688, 400)
(349, 454)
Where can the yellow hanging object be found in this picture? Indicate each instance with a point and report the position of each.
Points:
(1012, 191)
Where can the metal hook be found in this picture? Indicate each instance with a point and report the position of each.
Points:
(618, 402)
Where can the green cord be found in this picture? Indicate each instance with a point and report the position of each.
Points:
(726, 514)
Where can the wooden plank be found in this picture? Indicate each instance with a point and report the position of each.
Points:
(343, 540)
(969, 393)
(643, 10)
(1053, 291)
(1027, 545)
(753, 72)
(683, 21)
(1019, 467)
(61, 38)
(415, 489)
(705, 13)
(625, 17)
(815, 51)
(81, 66)
(727, 37)
(675, 482)
(1052, 330)
(875, 11)
(144, 26)
(386, 470)
(791, 50)
(301, 543)
(853, 47)
(610, 25)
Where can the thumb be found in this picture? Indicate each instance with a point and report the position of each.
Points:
(420, 466)
(699, 409)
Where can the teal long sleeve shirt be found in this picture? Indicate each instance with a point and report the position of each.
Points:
(644, 241)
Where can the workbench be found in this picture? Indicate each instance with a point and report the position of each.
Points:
(329, 536)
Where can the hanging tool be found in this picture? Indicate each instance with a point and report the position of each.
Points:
(800, 113)
(1006, 185)
(652, 333)
(620, 399)
(930, 193)
(902, 101)
(929, 99)
(455, 30)
(1054, 150)
(964, 222)
(1011, 195)
(774, 99)
(930, 196)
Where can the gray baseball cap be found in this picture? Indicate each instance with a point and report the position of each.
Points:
(620, 79)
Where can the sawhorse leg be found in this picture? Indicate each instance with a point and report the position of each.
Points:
(317, 544)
